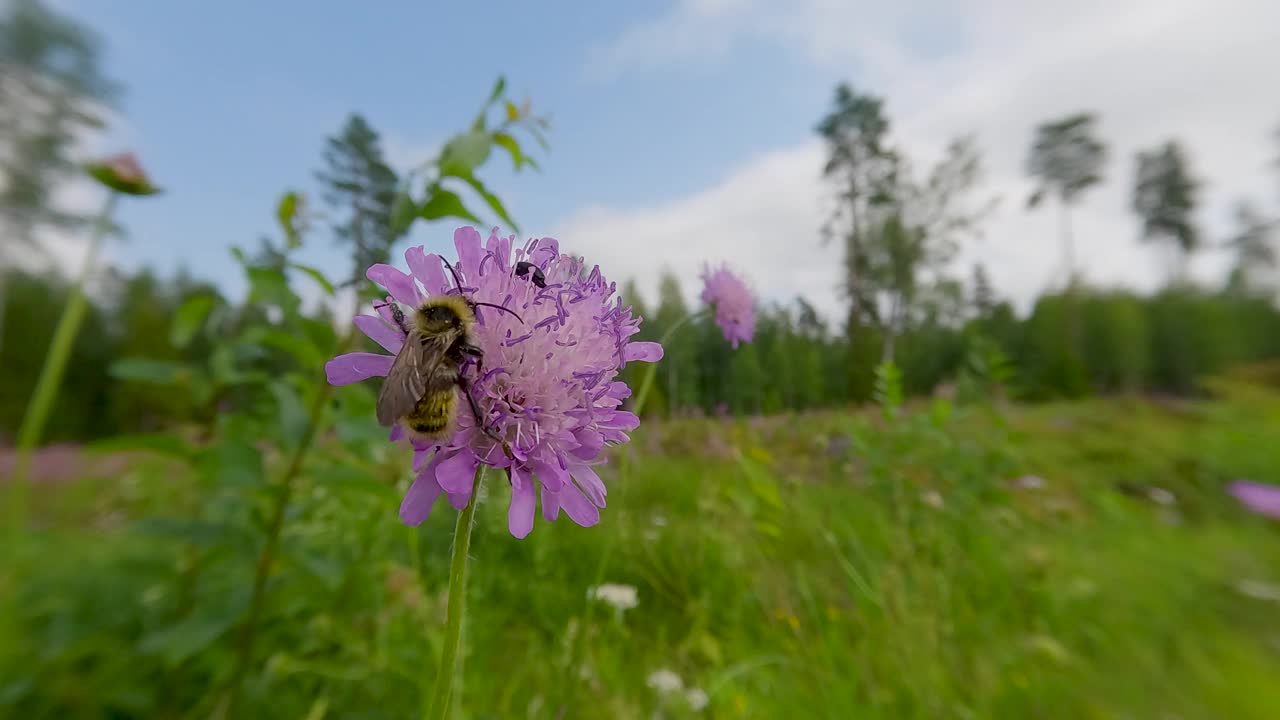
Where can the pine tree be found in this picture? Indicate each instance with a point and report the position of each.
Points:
(1257, 257)
(984, 296)
(1066, 159)
(52, 94)
(1164, 197)
(360, 186)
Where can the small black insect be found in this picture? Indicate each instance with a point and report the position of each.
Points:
(523, 269)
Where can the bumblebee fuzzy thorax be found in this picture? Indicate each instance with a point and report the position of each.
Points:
(444, 314)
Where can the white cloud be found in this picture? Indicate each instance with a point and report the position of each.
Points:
(1152, 69)
(762, 227)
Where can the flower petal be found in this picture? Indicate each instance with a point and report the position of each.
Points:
(467, 241)
(578, 507)
(1262, 499)
(622, 420)
(590, 484)
(421, 497)
(550, 504)
(590, 443)
(456, 472)
(523, 502)
(459, 500)
(354, 367)
(427, 269)
(642, 352)
(390, 338)
(400, 285)
(550, 475)
(544, 251)
(501, 249)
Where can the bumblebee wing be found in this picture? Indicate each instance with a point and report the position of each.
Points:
(406, 383)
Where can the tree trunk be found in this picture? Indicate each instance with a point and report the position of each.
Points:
(890, 331)
(1073, 306)
(1068, 242)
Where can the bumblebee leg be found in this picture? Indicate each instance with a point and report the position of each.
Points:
(475, 409)
(477, 354)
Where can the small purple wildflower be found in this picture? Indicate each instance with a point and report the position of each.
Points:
(1262, 499)
(733, 303)
(549, 387)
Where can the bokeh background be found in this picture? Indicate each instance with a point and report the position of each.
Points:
(1017, 352)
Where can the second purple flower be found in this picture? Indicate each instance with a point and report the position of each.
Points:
(733, 303)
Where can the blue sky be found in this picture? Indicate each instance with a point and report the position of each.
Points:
(228, 104)
(683, 129)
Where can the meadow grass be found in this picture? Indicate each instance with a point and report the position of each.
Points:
(822, 565)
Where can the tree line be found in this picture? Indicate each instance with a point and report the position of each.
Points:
(899, 224)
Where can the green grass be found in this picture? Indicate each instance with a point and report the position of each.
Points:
(797, 566)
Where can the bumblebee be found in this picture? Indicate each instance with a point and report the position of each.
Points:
(420, 391)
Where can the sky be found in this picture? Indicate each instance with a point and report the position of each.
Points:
(683, 132)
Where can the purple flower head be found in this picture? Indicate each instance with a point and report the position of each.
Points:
(549, 387)
(733, 303)
(1262, 499)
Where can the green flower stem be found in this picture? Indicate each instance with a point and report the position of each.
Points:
(266, 558)
(652, 371)
(445, 671)
(55, 364)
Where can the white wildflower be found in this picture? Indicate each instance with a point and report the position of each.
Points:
(697, 699)
(620, 597)
(665, 682)
(1029, 482)
(1259, 590)
(933, 498)
(1161, 496)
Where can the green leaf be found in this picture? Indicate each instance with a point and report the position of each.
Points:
(445, 203)
(321, 334)
(269, 285)
(189, 318)
(492, 200)
(159, 443)
(306, 354)
(193, 634)
(227, 360)
(287, 215)
(537, 135)
(234, 462)
(293, 417)
(465, 152)
(157, 372)
(326, 569)
(403, 212)
(512, 146)
(349, 478)
(315, 275)
(193, 532)
(498, 87)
